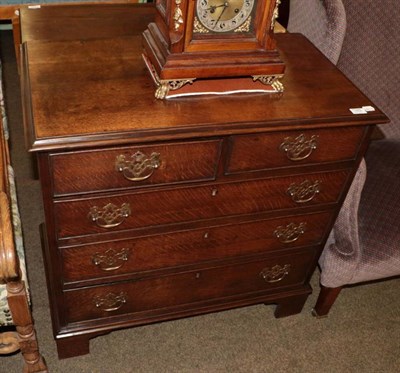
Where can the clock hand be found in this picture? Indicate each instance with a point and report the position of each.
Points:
(226, 4)
(213, 7)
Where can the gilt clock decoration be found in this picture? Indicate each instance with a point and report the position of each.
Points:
(207, 39)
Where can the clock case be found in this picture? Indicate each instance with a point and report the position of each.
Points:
(176, 54)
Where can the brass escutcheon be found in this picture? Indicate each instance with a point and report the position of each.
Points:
(111, 260)
(290, 233)
(275, 274)
(110, 215)
(110, 302)
(299, 148)
(305, 191)
(139, 167)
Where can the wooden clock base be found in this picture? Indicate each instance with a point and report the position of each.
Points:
(223, 86)
(173, 70)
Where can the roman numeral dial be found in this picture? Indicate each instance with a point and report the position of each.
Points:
(224, 15)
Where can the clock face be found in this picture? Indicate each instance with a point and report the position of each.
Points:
(225, 15)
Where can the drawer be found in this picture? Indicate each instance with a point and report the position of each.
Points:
(149, 209)
(133, 166)
(295, 148)
(192, 247)
(183, 289)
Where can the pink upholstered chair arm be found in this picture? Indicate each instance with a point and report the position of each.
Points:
(321, 21)
(342, 252)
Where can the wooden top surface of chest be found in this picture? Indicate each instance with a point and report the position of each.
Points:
(97, 91)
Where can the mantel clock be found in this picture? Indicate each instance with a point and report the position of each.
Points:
(203, 39)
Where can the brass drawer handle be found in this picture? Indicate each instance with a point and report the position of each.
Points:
(275, 274)
(110, 215)
(299, 148)
(305, 191)
(140, 167)
(111, 260)
(290, 233)
(110, 302)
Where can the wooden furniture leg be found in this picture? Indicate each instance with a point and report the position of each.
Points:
(290, 306)
(73, 346)
(20, 311)
(326, 298)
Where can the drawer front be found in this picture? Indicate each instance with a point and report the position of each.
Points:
(185, 288)
(145, 209)
(192, 247)
(296, 148)
(133, 166)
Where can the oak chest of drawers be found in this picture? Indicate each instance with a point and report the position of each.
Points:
(162, 209)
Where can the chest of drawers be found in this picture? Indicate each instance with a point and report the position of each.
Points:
(157, 210)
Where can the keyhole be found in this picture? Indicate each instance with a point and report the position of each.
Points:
(198, 275)
(214, 192)
(206, 235)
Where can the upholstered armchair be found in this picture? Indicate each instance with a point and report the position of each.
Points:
(365, 242)
(323, 22)
(16, 325)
